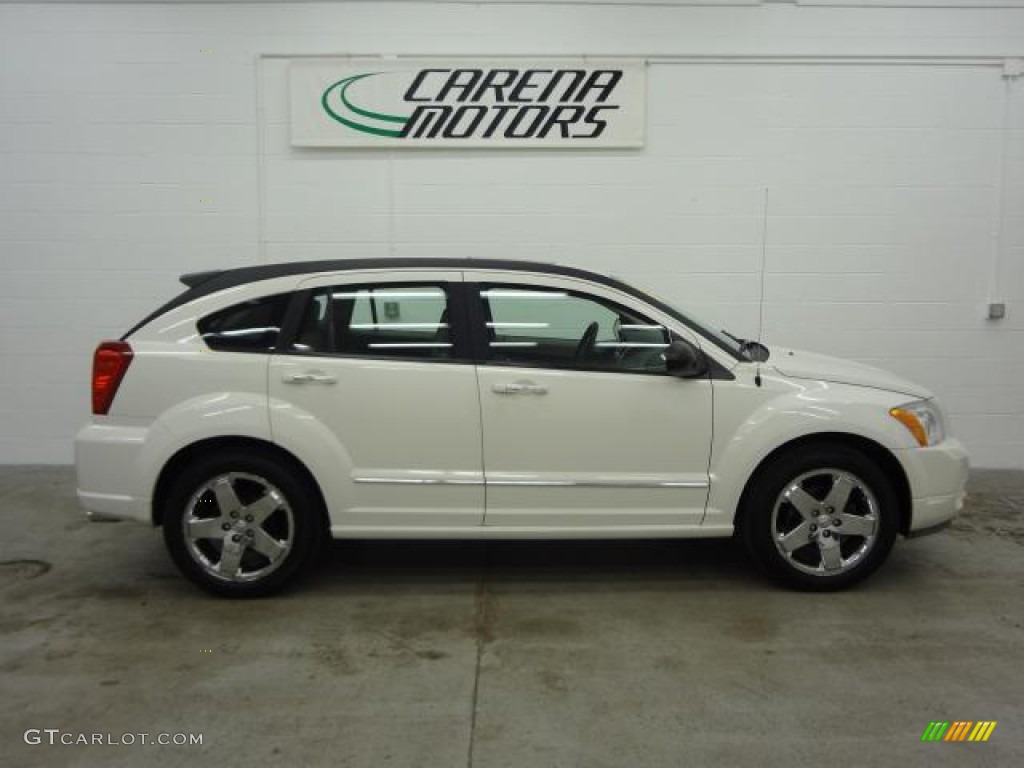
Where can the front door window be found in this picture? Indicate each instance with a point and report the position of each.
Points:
(565, 329)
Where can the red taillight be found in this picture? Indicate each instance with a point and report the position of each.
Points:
(109, 363)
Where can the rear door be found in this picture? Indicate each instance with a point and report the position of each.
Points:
(379, 371)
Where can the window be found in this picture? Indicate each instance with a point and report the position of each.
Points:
(382, 320)
(252, 326)
(544, 326)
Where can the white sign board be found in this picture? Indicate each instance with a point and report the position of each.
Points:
(501, 103)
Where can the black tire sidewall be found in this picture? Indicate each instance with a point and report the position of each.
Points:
(302, 500)
(755, 526)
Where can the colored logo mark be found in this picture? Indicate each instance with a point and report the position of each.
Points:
(959, 730)
(336, 103)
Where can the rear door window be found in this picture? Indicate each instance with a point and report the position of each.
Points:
(386, 320)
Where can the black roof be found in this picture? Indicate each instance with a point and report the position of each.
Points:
(205, 283)
(201, 284)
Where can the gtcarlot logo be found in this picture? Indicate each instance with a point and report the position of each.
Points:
(57, 737)
(958, 730)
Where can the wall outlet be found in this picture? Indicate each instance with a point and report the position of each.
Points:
(996, 310)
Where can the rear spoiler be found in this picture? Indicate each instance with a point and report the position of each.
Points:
(192, 282)
(192, 279)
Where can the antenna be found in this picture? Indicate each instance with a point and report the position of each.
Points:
(764, 259)
(761, 297)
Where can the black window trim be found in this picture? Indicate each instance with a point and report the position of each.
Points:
(202, 284)
(467, 327)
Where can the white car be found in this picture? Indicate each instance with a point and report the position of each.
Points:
(267, 407)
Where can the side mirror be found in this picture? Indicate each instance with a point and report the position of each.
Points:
(684, 360)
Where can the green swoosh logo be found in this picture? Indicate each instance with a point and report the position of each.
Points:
(347, 120)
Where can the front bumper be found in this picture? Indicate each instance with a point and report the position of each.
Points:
(938, 478)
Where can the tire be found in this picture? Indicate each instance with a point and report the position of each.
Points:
(787, 528)
(274, 523)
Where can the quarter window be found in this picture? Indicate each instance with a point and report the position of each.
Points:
(252, 326)
(551, 327)
(380, 320)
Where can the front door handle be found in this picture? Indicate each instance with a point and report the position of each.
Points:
(519, 388)
(309, 377)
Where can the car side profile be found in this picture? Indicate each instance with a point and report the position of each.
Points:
(266, 408)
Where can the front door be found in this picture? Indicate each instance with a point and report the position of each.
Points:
(582, 426)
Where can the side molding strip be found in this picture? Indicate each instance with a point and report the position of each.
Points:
(601, 483)
(417, 481)
(533, 483)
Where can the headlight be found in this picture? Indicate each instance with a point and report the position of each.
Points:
(924, 420)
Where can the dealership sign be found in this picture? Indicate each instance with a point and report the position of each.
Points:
(467, 103)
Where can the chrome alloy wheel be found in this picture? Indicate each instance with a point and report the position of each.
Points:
(238, 527)
(825, 522)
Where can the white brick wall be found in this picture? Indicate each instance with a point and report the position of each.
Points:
(885, 177)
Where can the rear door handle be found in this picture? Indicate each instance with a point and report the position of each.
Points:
(309, 377)
(521, 388)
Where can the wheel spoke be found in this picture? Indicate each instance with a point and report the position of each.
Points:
(268, 546)
(857, 525)
(205, 528)
(837, 498)
(831, 557)
(796, 538)
(227, 499)
(804, 503)
(263, 507)
(230, 558)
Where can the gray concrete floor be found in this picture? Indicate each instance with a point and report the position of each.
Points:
(514, 654)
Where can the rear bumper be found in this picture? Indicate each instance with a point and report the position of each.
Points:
(106, 461)
(938, 477)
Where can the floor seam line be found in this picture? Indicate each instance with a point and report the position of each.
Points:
(480, 624)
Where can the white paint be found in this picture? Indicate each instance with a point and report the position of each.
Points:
(879, 139)
(391, 442)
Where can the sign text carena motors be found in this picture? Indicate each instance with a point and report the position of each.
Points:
(521, 104)
(468, 103)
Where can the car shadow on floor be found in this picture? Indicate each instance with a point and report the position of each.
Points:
(580, 561)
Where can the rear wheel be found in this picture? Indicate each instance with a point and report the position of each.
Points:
(241, 524)
(821, 517)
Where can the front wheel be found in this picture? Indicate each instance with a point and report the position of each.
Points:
(822, 517)
(240, 524)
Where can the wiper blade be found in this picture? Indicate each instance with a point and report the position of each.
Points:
(754, 351)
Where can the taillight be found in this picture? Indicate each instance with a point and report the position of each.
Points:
(109, 363)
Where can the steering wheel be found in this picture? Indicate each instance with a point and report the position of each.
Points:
(586, 345)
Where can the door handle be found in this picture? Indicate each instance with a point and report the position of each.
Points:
(521, 388)
(309, 377)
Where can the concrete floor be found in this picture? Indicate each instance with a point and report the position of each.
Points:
(517, 654)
